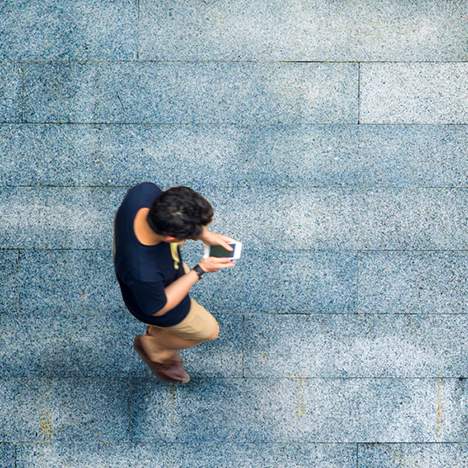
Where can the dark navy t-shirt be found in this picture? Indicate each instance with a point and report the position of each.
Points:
(144, 271)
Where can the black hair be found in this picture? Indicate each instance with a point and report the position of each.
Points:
(180, 212)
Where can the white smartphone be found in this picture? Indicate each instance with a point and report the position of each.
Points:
(219, 251)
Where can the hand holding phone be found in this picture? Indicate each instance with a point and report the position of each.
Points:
(213, 264)
(216, 257)
(220, 252)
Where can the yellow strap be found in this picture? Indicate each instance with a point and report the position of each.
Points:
(175, 254)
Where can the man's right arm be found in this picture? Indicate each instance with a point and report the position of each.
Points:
(177, 290)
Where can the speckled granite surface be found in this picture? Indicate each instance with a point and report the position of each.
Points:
(330, 137)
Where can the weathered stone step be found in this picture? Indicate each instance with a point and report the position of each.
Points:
(222, 410)
(417, 93)
(292, 155)
(286, 218)
(298, 30)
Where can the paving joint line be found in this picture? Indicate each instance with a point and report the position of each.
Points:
(205, 61)
(138, 31)
(357, 255)
(22, 95)
(279, 442)
(354, 188)
(251, 126)
(129, 408)
(207, 379)
(243, 347)
(17, 285)
(409, 251)
(238, 125)
(359, 94)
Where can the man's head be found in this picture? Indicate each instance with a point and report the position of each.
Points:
(179, 212)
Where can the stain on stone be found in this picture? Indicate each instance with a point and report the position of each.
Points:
(45, 425)
(439, 407)
(301, 407)
(172, 406)
(121, 103)
(173, 393)
(83, 295)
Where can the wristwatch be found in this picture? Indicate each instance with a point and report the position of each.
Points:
(199, 270)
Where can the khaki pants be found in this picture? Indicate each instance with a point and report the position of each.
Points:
(198, 325)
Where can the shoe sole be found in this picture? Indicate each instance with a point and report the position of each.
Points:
(153, 366)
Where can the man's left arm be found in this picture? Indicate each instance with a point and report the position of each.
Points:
(215, 238)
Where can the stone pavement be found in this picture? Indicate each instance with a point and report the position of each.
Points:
(330, 137)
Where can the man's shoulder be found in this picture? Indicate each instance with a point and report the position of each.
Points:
(140, 194)
(145, 187)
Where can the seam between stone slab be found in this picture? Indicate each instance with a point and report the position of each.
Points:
(201, 379)
(180, 443)
(218, 123)
(359, 94)
(331, 250)
(17, 285)
(357, 257)
(237, 125)
(277, 442)
(22, 96)
(242, 347)
(253, 126)
(451, 251)
(90, 62)
(268, 443)
(413, 443)
(133, 379)
(129, 408)
(354, 188)
(367, 314)
(138, 31)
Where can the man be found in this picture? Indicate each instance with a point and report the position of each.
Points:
(149, 226)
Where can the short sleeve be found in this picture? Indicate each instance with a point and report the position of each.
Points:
(150, 296)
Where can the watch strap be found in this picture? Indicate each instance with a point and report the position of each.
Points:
(198, 269)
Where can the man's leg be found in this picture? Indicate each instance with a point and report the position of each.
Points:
(161, 346)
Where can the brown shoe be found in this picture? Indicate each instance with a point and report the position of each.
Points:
(171, 372)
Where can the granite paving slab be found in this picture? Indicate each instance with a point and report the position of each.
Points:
(343, 345)
(287, 155)
(63, 30)
(290, 218)
(171, 455)
(416, 93)
(9, 290)
(60, 342)
(300, 410)
(10, 92)
(413, 282)
(191, 93)
(297, 30)
(412, 455)
(41, 410)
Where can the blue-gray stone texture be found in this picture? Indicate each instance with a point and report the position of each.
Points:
(330, 137)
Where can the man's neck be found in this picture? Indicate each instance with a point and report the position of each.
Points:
(143, 230)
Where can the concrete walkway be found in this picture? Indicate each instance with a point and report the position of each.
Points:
(330, 138)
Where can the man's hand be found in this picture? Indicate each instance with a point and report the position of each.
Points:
(214, 238)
